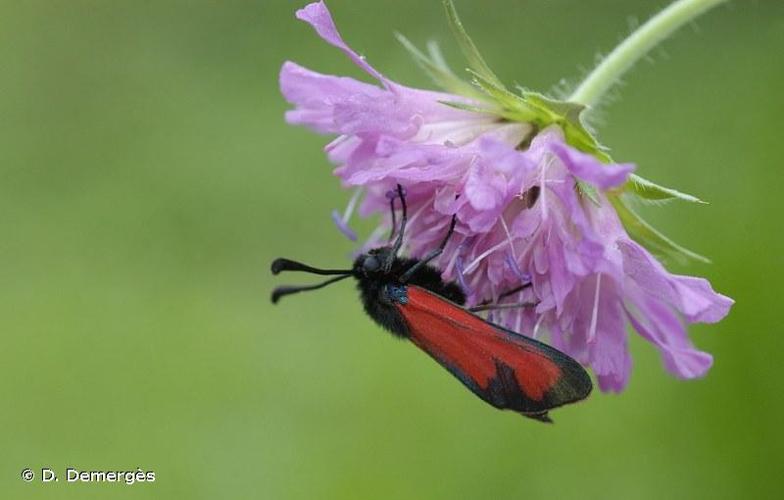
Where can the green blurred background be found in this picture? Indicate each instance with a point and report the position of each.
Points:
(147, 179)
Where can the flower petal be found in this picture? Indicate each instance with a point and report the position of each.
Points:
(332, 104)
(392, 160)
(596, 335)
(586, 167)
(318, 98)
(660, 326)
(317, 15)
(610, 357)
(693, 297)
(484, 188)
(698, 301)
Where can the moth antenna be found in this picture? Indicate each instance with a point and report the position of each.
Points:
(280, 265)
(282, 291)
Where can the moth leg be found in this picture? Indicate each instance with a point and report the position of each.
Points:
(504, 295)
(392, 195)
(514, 291)
(399, 241)
(431, 255)
(496, 307)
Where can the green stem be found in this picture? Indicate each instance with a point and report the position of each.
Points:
(647, 36)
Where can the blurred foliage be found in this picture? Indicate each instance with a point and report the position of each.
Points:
(147, 179)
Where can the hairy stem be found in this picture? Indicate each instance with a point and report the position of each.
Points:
(639, 43)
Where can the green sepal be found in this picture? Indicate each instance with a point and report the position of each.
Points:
(436, 68)
(475, 59)
(568, 116)
(645, 234)
(588, 191)
(650, 191)
(471, 107)
(510, 106)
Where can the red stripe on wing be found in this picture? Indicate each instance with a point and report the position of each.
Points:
(463, 341)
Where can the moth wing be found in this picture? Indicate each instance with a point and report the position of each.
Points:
(504, 368)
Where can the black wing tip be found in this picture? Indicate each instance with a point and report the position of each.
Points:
(581, 381)
(588, 387)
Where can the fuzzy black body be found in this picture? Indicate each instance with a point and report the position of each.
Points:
(374, 288)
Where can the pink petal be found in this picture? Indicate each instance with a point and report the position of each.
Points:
(586, 167)
(698, 301)
(693, 297)
(661, 327)
(317, 15)
(317, 96)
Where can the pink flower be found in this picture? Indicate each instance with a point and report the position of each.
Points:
(522, 216)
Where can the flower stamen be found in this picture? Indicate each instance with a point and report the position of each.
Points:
(475, 263)
(535, 333)
(595, 313)
(461, 275)
(341, 222)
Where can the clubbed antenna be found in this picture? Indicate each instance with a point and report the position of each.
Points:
(282, 291)
(280, 265)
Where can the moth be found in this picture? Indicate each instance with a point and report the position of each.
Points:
(409, 298)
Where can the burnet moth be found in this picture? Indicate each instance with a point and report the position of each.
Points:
(409, 298)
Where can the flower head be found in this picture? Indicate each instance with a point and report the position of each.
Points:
(538, 219)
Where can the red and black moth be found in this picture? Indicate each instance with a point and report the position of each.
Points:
(409, 298)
